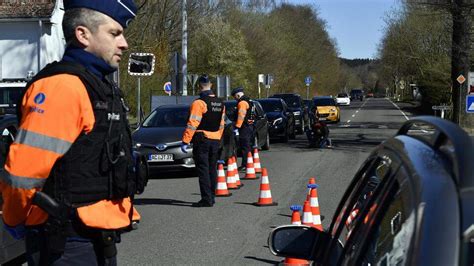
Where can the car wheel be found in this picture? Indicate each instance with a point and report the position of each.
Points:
(266, 146)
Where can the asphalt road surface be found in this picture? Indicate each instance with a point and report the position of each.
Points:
(234, 232)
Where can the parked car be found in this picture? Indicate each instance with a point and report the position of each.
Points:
(158, 137)
(327, 108)
(280, 118)
(295, 105)
(262, 136)
(370, 95)
(343, 99)
(10, 248)
(410, 203)
(357, 94)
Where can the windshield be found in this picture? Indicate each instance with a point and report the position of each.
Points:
(271, 106)
(324, 102)
(341, 95)
(356, 91)
(290, 100)
(9, 95)
(168, 117)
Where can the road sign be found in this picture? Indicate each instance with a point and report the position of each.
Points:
(308, 80)
(470, 103)
(461, 79)
(167, 87)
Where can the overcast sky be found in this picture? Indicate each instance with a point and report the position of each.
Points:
(357, 25)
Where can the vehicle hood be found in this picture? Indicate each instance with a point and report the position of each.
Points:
(294, 109)
(326, 109)
(157, 135)
(273, 115)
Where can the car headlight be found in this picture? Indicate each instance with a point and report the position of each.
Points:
(136, 145)
(333, 110)
(277, 121)
(297, 113)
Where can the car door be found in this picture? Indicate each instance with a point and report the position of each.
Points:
(261, 124)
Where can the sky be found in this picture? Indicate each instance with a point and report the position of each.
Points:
(356, 25)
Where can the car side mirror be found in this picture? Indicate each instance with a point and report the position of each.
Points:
(298, 241)
(141, 64)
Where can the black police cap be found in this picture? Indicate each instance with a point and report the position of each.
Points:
(237, 90)
(122, 11)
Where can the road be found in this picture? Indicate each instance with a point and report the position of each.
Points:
(234, 232)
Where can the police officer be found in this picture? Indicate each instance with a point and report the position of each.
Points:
(244, 126)
(74, 146)
(204, 129)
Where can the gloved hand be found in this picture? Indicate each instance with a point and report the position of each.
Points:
(18, 232)
(184, 147)
(236, 132)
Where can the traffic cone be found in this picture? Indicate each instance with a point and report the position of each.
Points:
(307, 214)
(236, 173)
(265, 198)
(256, 161)
(221, 189)
(231, 184)
(307, 220)
(312, 180)
(250, 171)
(314, 203)
(295, 215)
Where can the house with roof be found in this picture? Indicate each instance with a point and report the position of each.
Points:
(30, 36)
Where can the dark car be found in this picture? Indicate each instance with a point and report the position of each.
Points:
(280, 118)
(262, 137)
(158, 138)
(295, 105)
(10, 248)
(410, 203)
(357, 94)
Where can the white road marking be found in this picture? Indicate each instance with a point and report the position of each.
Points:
(399, 109)
(357, 111)
(348, 121)
(353, 115)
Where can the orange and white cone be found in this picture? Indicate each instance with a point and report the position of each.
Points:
(221, 189)
(231, 184)
(314, 203)
(236, 173)
(307, 220)
(312, 181)
(307, 214)
(250, 171)
(295, 215)
(265, 198)
(256, 161)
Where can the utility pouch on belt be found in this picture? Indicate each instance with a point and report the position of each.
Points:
(108, 240)
(198, 137)
(58, 222)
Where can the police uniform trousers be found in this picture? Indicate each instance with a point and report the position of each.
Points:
(80, 249)
(205, 157)
(245, 140)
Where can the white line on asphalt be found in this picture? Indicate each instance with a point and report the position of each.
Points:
(353, 115)
(399, 109)
(357, 111)
(348, 121)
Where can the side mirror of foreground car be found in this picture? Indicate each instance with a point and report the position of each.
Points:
(298, 241)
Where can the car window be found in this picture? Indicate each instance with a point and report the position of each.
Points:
(271, 106)
(290, 100)
(388, 237)
(359, 197)
(167, 117)
(324, 102)
(258, 109)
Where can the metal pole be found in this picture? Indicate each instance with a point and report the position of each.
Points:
(185, 49)
(138, 103)
(307, 92)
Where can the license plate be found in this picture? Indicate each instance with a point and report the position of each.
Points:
(322, 118)
(160, 157)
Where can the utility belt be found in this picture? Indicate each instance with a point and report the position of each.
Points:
(199, 137)
(63, 223)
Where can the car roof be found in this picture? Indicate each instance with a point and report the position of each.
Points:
(322, 97)
(270, 99)
(172, 106)
(286, 94)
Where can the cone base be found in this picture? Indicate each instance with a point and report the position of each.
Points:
(225, 195)
(265, 205)
(234, 188)
(250, 178)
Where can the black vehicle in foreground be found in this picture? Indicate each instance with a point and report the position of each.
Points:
(280, 118)
(296, 105)
(409, 204)
(158, 138)
(262, 136)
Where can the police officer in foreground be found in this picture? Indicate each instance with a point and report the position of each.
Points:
(244, 126)
(69, 176)
(204, 130)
